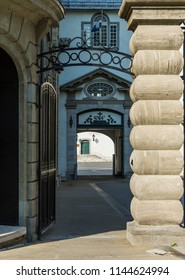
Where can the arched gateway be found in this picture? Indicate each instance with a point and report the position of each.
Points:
(110, 123)
(99, 90)
(97, 101)
(9, 85)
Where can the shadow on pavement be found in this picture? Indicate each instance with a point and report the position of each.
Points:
(88, 207)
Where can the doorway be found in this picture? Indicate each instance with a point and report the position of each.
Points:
(105, 131)
(95, 153)
(85, 147)
(9, 135)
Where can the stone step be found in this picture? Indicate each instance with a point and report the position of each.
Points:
(11, 235)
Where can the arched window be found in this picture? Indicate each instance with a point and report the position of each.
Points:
(101, 31)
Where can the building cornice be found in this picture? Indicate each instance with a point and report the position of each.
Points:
(35, 10)
(152, 11)
(91, 5)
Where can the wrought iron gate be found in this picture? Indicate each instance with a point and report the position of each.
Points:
(47, 156)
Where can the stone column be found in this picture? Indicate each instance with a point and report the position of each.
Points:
(156, 114)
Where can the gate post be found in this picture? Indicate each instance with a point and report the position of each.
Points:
(156, 114)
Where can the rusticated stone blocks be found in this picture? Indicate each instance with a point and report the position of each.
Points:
(157, 116)
(157, 135)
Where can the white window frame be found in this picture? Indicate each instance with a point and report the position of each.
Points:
(108, 38)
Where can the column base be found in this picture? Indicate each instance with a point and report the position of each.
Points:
(142, 235)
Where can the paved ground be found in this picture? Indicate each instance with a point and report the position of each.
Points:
(94, 168)
(91, 222)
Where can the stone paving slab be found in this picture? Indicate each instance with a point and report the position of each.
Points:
(104, 246)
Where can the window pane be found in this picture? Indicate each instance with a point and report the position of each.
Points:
(113, 35)
(96, 38)
(104, 35)
(86, 33)
(100, 17)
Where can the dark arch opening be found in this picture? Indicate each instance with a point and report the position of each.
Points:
(9, 134)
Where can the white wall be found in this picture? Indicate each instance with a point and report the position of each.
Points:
(103, 145)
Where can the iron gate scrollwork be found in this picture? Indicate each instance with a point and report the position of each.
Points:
(47, 156)
(83, 53)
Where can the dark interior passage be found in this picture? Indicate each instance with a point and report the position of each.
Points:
(8, 140)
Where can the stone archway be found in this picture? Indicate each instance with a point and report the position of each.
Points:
(104, 156)
(76, 99)
(110, 123)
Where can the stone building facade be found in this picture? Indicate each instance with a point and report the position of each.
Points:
(23, 24)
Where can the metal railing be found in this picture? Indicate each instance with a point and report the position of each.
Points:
(93, 4)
